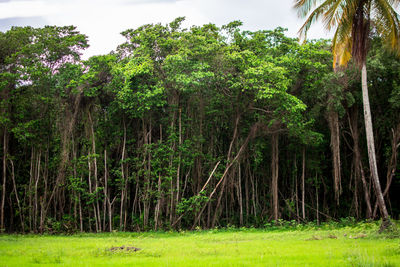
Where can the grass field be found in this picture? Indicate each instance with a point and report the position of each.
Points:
(358, 245)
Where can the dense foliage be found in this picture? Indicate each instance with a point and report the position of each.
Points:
(186, 128)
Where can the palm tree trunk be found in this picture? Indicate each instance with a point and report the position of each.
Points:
(371, 149)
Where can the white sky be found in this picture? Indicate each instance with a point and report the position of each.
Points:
(103, 20)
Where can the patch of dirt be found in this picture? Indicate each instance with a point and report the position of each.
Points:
(125, 248)
(314, 237)
(358, 236)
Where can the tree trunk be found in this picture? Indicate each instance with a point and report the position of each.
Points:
(228, 163)
(105, 192)
(91, 192)
(35, 213)
(178, 171)
(43, 199)
(96, 182)
(303, 205)
(275, 172)
(244, 145)
(123, 178)
(240, 196)
(296, 189)
(392, 165)
(358, 166)
(3, 194)
(16, 196)
(371, 149)
(66, 132)
(253, 195)
(173, 192)
(158, 205)
(333, 121)
(30, 214)
(316, 196)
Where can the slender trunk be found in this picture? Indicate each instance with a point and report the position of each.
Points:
(96, 181)
(109, 215)
(178, 171)
(393, 159)
(3, 194)
(91, 192)
(173, 148)
(74, 195)
(240, 196)
(246, 189)
(35, 213)
(198, 194)
(392, 166)
(75, 190)
(126, 198)
(106, 196)
(244, 145)
(148, 177)
(356, 204)
(105, 189)
(145, 194)
(96, 186)
(358, 165)
(333, 121)
(316, 196)
(275, 174)
(157, 209)
(16, 196)
(135, 200)
(253, 195)
(296, 189)
(371, 149)
(123, 181)
(303, 171)
(43, 199)
(228, 163)
(30, 214)
(158, 206)
(80, 209)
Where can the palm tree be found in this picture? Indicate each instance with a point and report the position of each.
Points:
(352, 21)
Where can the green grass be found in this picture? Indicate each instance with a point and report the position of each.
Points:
(325, 246)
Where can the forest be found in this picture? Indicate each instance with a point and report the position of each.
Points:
(191, 129)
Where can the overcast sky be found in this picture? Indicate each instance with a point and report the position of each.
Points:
(103, 20)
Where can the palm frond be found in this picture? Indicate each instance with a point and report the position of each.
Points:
(387, 23)
(342, 43)
(304, 7)
(333, 15)
(313, 17)
(394, 3)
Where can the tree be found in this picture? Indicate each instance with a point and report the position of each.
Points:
(29, 60)
(353, 20)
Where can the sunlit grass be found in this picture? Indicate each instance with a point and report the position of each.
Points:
(326, 246)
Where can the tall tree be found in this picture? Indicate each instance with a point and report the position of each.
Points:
(353, 21)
